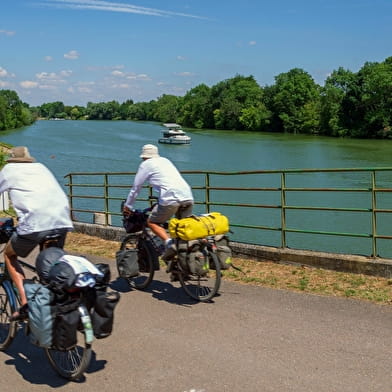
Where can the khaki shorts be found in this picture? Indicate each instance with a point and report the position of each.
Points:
(24, 244)
(161, 214)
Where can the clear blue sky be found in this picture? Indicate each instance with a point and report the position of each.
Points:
(76, 51)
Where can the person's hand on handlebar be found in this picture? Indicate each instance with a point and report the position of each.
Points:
(127, 211)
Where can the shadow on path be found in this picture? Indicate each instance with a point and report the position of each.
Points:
(31, 363)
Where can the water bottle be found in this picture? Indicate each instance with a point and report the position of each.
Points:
(87, 325)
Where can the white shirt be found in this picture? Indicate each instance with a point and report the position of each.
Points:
(38, 199)
(164, 178)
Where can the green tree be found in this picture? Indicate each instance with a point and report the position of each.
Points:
(332, 95)
(125, 109)
(295, 103)
(138, 111)
(52, 110)
(367, 106)
(230, 97)
(167, 108)
(13, 112)
(103, 110)
(255, 118)
(196, 108)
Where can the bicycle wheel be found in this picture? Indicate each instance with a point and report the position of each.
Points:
(71, 364)
(7, 307)
(203, 288)
(145, 260)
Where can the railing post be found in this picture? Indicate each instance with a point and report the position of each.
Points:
(70, 197)
(374, 215)
(283, 209)
(207, 184)
(106, 198)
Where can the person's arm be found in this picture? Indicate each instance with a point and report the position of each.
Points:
(140, 178)
(3, 183)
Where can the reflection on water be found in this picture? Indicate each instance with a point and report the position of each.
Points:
(94, 146)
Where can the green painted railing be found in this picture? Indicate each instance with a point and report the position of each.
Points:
(283, 199)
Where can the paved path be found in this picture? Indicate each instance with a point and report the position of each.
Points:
(250, 339)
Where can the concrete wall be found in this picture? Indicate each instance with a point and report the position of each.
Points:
(333, 261)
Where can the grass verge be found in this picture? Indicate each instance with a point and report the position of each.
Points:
(268, 274)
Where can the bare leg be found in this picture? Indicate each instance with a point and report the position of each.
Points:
(158, 230)
(16, 272)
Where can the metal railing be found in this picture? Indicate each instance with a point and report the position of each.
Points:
(337, 203)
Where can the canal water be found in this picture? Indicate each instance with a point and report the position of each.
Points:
(114, 146)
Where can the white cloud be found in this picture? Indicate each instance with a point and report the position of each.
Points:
(3, 84)
(66, 73)
(186, 74)
(117, 73)
(7, 32)
(48, 58)
(3, 72)
(28, 84)
(53, 77)
(252, 43)
(181, 58)
(71, 55)
(130, 75)
(84, 89)
(99, 5)
(138, 77)
(85, 83)
(108, 67)
(121, 85)
(46, 87)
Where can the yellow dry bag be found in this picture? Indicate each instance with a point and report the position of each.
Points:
(198, 226)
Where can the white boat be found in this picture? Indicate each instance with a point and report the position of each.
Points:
(173, 134)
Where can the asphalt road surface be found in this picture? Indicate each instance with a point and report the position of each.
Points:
(249, 339)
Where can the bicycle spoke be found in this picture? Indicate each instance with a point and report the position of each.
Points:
(202, 288)
(71, 364)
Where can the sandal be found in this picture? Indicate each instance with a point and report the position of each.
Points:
(22, 314)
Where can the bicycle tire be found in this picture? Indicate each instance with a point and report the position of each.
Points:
(145, 260)
(202, 288)
(7, 307)
(71, 364)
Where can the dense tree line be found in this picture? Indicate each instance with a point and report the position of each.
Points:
(349, 104)
(13, 112)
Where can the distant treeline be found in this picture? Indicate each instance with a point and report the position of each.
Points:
(349, 104)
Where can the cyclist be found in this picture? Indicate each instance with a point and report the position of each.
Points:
(42, 209)
(175, 195)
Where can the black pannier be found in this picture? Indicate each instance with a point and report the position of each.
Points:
(134, 222)
(102, 317)
(6, 229)
(127, 263)
(66, 324)
(102, 282)
(45, 261)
